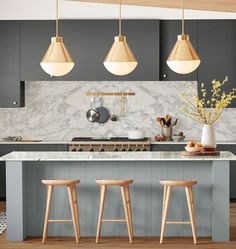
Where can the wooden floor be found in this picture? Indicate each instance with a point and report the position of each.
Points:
(118, 242)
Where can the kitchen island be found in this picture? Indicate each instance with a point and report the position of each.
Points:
(26, 195)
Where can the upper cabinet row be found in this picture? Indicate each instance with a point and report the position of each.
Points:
(88, 42)
(23, 44)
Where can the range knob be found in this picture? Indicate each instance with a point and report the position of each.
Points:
(115, 149)
(129, 148)
(123, 148)
(101, 149)
(137, 148)
(90, 148)
(144, 149)
(79, 149)
(73, 149)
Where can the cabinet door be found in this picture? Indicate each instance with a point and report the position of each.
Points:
(89, 41)
(62, 147)
(169, 29)
(216, 46)
(4, 149)
(167, 147)
(37, 147)
(11, 89)
(35, 40)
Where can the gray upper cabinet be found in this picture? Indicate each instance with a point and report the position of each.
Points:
(35, 40)
(88, 42)
(169, 29)
(216, 46)
(12, 90)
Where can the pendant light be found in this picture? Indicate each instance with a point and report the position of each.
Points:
(183, 58)
(57, 60)
(120, 60)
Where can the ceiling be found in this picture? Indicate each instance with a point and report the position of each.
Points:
(45, 9)
(209, 5)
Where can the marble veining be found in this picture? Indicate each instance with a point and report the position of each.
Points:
(112, 156)
(55, 111)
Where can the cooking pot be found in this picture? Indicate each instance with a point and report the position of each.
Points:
(136, 134)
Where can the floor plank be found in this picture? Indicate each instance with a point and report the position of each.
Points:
(122, 242)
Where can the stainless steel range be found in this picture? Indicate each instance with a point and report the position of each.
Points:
(80, 144)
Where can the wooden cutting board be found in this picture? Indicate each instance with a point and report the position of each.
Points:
(200, 153)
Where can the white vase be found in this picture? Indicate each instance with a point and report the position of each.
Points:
(208, 136)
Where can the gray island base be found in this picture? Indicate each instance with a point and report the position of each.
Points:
(26, 195)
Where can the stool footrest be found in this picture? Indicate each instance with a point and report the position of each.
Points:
(114, 220)
(179, 222)
(59, 220)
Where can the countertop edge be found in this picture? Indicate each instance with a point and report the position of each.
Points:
(70, 142)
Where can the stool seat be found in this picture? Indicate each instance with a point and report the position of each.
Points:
(178, 183)
(60, 182)
(114, 182)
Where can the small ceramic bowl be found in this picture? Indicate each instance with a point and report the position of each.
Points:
(178, 138)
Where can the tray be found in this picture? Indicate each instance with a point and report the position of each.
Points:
(200, 153)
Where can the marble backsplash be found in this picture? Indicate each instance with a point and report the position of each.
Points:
(56, 111)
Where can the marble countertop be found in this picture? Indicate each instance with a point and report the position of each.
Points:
(41, 142)
(69, 142)
(111, 156)
(185, 142)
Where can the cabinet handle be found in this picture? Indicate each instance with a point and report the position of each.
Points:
(14, 102)
(164, 75)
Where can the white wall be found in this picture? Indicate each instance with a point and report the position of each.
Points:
(45, 9)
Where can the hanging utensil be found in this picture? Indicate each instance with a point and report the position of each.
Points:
(125, 106)
(92, 114)
(123, 101)
(114, 117)
(104, 114)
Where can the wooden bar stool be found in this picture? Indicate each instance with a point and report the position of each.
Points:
(124, 187)
(72, 194)
(168, 185)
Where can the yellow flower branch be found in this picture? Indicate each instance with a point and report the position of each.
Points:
(203, 110)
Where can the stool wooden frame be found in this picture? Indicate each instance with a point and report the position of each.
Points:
(72, 194)
(168, 185)
(125, 193)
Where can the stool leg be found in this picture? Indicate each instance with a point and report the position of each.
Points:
(193, 207)
(49, 198)
(127, 192)
(166, 202)
(126, 213)
(191, 213)
(70, 195)
(75, 205)
(101, 207)
(164, 199)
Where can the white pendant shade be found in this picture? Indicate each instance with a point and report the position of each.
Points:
(183, 58)
(57, 60)
(120, 59)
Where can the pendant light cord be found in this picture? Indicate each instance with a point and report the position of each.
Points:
(120, 19)
(57, 18)
(182, 17)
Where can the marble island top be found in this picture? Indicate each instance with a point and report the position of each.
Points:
(112, 156)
